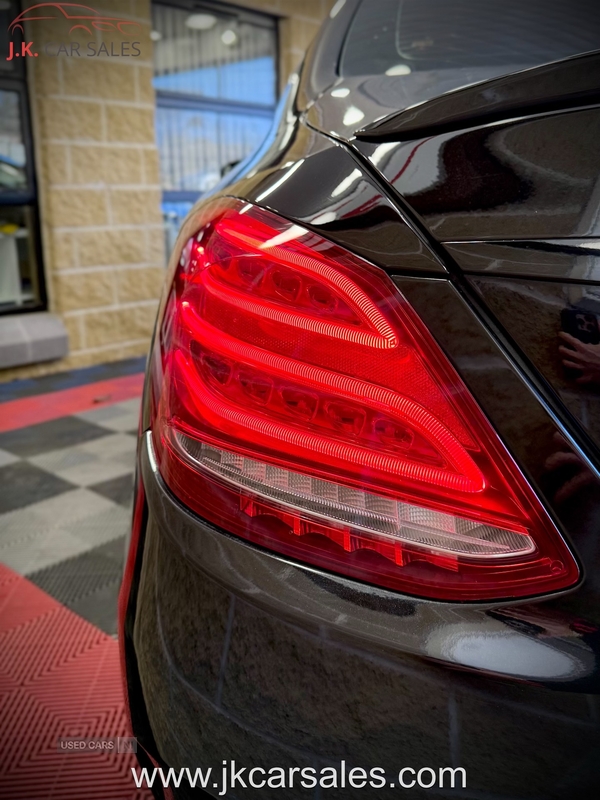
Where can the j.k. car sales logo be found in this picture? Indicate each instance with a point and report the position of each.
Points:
(78, 18)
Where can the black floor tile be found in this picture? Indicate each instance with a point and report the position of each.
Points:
(100, 607)
(119, 490)
(74, 578)
(88, 584)
(114, 550)
(22, 484)
(47, 436)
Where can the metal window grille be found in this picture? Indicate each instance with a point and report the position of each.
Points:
(215, 76)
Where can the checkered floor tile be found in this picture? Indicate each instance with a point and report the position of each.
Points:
(65, 505)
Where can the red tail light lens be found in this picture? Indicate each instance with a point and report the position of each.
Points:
(301, 404)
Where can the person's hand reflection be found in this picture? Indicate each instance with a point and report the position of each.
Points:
(582, 357)
(579, 475)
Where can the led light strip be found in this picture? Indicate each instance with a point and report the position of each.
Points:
(364, 511)
(364, 304)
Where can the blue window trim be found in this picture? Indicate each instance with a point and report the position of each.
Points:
(192, 102)
(181, 196)
(188, 101)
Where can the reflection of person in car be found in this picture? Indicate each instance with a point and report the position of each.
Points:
(582, 357)
(576, 474)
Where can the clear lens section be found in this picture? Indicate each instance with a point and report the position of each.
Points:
(370, 513)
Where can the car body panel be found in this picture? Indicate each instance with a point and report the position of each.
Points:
(523, 179)
(244, 655)
(235, 652)
(530, 311)
(562, 84)
(556, 259)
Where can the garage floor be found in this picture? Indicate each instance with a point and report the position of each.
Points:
(67, 448)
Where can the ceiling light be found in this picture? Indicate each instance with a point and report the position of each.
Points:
(201, 22)
(229, 37)
(399, 69)
(353, 116)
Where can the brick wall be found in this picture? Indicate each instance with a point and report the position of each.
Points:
(99, 189)
(98, 179)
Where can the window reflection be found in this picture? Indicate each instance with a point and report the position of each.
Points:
(19, 284)
(194, 146)
(215, 77)
(20, 281)
(12, 145)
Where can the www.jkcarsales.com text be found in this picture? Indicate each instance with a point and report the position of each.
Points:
(233, 777)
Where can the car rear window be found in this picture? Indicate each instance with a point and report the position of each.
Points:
(396, 37)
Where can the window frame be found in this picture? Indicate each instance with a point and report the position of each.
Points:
(28, 197)
(191, 102)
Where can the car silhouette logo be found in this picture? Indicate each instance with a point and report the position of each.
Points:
(83, 18)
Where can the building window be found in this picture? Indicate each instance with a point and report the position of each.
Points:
(215, 75)
(21, 280)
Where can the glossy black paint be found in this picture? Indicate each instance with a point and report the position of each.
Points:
(319, 70)
(328, 191)
(498, 380)
(531, 178)
(236, 653)
(244, 655)
(565, 84)
(530, 311)
(564, 260)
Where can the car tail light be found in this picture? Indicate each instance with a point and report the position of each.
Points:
(300, 403)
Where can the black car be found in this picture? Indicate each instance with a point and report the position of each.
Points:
(365, 548)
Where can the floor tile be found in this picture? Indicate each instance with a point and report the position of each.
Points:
(100, 528)
(113, 445)
(57, 461)
(31, 540)
(22, 484)
(134, 405)
(88, 584)
(109, 457)
(51, 546)
(7, 458)
(85, 574)
(100, 607)
(120, 490)
(48, 436)
(120, 417)
(115, 550)
(65, 380)
(70, 507)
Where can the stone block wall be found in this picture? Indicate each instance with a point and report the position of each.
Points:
(98, 175)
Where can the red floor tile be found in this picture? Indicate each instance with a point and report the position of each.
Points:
(59, 677)
(44, 407)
